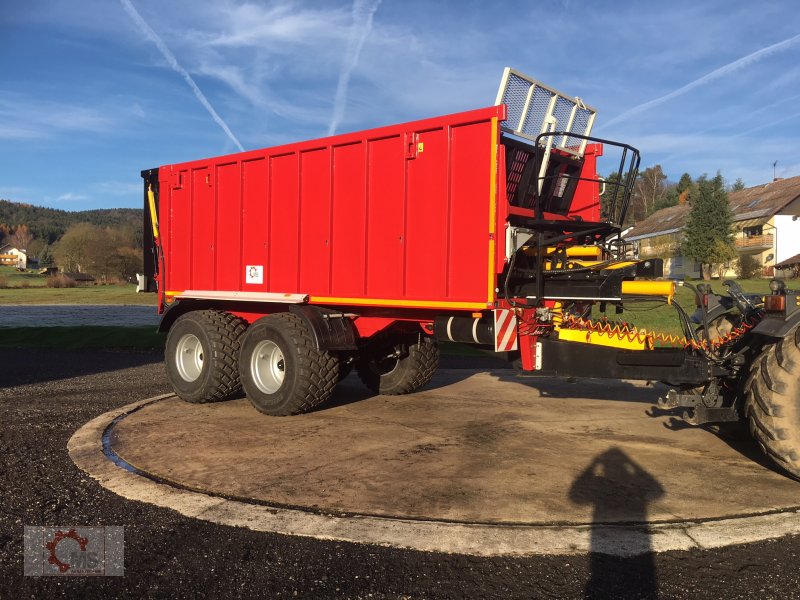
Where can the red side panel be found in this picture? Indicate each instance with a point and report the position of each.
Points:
(283, 237)
(349, 219)
(256, 222)
(315, 221)
(203, 228)
(398, 216)
(468, 192)
(229, 221)
(427, 211)
(386, 218)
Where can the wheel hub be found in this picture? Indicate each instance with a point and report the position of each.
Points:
(189, 357)
(268, 367)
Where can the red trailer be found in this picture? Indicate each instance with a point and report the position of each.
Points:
(278, 270)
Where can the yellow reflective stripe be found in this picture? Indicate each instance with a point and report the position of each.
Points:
(403, 303)
(492, 210)
(151, 201)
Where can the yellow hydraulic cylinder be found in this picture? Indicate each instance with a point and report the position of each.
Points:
(649, 288)
(594, 252)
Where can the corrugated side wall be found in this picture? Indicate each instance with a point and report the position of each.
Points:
(398, 215)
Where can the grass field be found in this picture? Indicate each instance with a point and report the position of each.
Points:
(13, 278)
(96, 294)
(31, 288)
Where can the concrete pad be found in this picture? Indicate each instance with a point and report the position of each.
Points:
(481, 463)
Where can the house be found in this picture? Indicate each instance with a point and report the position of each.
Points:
(766, 223)
(13, 256)
(789, 267)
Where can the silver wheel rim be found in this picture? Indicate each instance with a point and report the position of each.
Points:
(267, 366)
(189, 357)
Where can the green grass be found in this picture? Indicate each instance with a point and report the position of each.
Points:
(93, 294)
(665, 318)
(13, 278)
(81, 337)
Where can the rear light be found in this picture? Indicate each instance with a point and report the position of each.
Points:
(775, 303)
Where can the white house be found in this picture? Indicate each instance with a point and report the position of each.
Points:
(13, 256)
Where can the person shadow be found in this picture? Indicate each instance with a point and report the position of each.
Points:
(622, 564)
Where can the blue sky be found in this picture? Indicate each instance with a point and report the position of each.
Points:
(93, 91)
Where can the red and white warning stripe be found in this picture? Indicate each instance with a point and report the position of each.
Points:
(505, 330)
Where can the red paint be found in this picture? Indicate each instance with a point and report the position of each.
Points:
(399, 213)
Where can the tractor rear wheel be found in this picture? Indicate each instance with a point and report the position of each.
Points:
(201, 355)
(772, 401)
(283, 372)
(398, 368)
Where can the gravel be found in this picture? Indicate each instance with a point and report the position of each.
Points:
(45, 395)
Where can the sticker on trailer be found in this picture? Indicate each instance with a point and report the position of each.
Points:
(505, 330)
(254, 274)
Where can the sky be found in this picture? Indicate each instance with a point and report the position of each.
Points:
(94, 91)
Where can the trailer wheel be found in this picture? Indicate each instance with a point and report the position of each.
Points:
(772, 401)
(201, 355)
(282, 371)
(392, 375)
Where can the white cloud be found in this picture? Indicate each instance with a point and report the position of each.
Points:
(172, 61)
(363, 13)
(727, 69)
(71, 197)
(22, 117)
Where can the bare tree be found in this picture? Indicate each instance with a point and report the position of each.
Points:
(649, 191)
(21, 238)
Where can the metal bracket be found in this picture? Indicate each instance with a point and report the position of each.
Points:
(701, 415)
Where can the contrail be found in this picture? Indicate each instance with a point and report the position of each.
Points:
(363, 11)
(170, 58)
(715, 74)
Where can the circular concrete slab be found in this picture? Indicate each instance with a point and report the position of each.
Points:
(474, 449)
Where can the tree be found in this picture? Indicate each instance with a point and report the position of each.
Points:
(21, 238)
(46, 258)
(686, 188)
(747, 267)
(670, 198)
(738, 185)
(35, 248)
(649, 189)
(684, 183)
(708, 238)
(72, 250)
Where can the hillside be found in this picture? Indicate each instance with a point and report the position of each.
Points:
(49, 224)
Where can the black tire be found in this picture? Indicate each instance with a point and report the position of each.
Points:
(393, 376)
(772, 402)
(282, 371)
(201, 355)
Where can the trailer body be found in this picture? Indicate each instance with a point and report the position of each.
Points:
(412, 215)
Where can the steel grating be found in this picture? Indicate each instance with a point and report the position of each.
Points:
(534, 108)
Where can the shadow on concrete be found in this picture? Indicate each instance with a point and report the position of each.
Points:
(592, 389)
(622, 564)
(735, 435)
(36, 365)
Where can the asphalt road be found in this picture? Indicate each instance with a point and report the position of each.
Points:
(46, 395)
